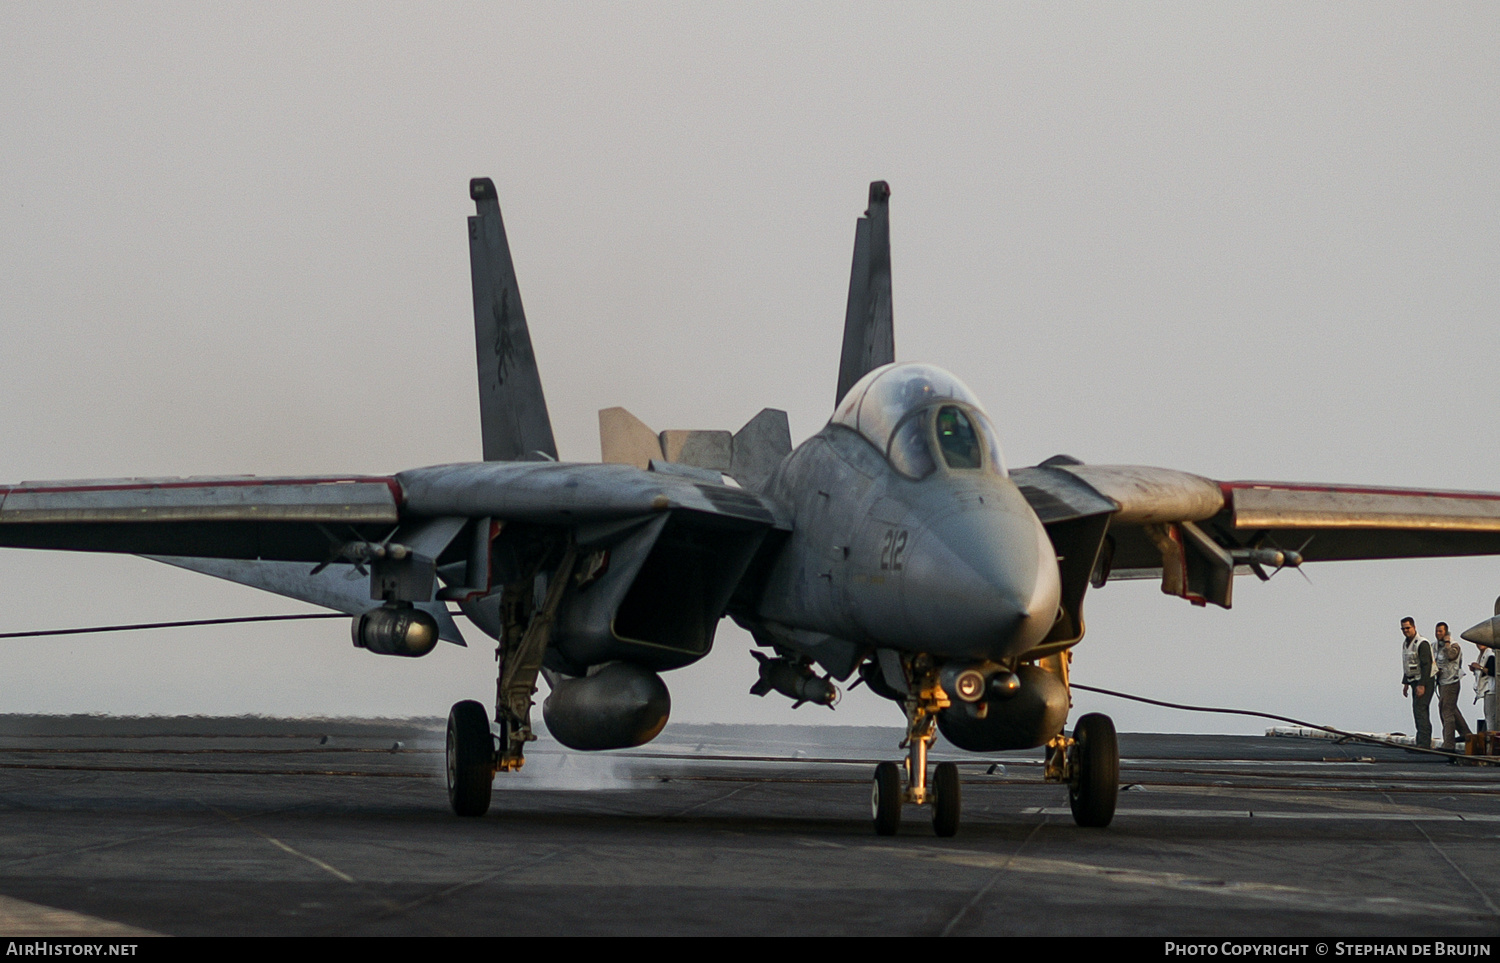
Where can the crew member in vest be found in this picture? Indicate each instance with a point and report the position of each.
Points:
(1448, 667)
(1484, 685)
(1416, 679)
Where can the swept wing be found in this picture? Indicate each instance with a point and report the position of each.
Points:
(1195, 533)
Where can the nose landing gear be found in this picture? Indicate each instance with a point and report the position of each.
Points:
(885, 799)
(944, 794)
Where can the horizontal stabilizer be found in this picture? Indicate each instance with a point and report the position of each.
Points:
(749, 456)
(512, 409)
(338, 587)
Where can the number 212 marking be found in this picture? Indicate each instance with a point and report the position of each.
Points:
(891, 549)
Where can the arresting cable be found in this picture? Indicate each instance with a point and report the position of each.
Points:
(1354, 736)
(170, 625)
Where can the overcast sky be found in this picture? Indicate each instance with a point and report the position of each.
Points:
(1248, 241)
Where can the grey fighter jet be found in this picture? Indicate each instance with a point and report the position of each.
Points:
(893, 548)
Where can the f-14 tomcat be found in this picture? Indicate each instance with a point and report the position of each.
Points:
(894, 545)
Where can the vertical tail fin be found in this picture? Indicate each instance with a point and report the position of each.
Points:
(512, 409)
(869, 328)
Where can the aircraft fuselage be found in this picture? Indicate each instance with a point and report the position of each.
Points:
(955, 563)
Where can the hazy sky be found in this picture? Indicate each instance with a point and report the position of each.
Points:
(1250, 241)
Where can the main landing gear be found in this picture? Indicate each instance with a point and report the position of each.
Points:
(943, 793)
(471, 759)
(1089, 763)
(475, 754)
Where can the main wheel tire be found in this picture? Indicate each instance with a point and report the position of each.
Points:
(471, 759)
(946, 799)
(885, 799)
(1096, 785)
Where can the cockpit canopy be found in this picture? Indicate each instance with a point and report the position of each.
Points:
(919, 416)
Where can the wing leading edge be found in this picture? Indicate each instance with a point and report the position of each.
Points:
(289, 519)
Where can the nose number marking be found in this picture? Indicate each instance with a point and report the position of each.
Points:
(891, 549)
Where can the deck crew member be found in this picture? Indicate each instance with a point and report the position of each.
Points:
(1416, 679)
(1448, 667)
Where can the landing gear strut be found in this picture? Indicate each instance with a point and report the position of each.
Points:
(474, 754)
(924, 700)
(1089, 763)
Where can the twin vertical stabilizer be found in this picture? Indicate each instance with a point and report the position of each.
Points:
(869, 329)
(512, 409)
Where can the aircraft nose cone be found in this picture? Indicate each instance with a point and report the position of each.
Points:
(982, 582)
(1482, 634)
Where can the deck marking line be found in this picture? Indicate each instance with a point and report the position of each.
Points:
(21, 918)
(973, 900)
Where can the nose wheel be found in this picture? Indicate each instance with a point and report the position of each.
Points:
(943, 792)
(947, 799)
(886, 798)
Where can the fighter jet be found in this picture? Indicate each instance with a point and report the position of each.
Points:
(893, 548)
